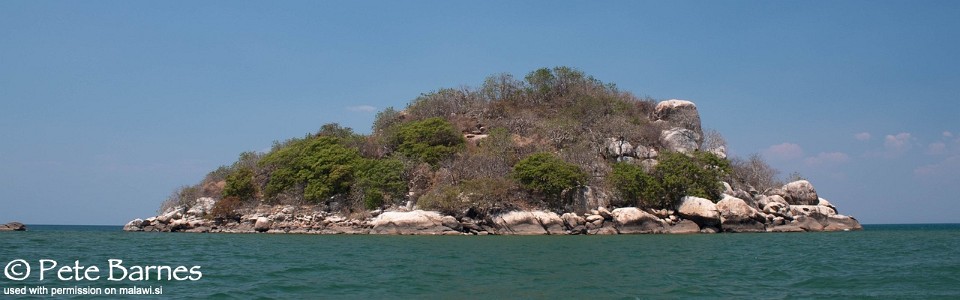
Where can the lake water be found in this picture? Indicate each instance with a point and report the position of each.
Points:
(883, 261)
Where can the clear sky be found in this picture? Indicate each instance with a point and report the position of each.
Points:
(107, 106)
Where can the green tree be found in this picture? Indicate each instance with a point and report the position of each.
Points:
(430, 140)
(382, 181)
(676, 175)
(548, 175)
(635, 185)
(322, 166)
(240, 185)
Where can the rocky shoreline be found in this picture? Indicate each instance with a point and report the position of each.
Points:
(793, 208)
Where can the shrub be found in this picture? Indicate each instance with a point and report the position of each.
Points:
(481, 195)
(321, 165)
(681, 175)
(443, 198)
(226, 209)
(430, 140)
(240, 185)
(677, 175)
(381, 181)
(635, 185)
(548, 175)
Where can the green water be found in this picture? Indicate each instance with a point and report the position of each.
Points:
(884, 261)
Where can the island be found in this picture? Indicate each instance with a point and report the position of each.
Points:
(558, 152)
(13, 226)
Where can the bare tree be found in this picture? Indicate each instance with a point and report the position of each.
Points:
(754, 172)
(712, 139)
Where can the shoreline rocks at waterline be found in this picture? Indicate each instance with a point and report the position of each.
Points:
(692, 215)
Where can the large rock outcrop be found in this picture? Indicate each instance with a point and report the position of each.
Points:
(678, 113)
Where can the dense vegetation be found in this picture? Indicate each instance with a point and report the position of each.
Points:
(507, 144)
(675, 176)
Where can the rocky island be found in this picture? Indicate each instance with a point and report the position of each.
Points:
(13, 226)
(556, 153)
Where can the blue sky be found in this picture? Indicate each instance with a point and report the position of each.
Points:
(107, 107)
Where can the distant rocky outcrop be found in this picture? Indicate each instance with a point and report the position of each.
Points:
(13, 226)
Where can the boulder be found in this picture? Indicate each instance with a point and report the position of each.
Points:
(134, 225)
(171, 214)
(605, 213)
(800, 192)
(409, 222)
(746, 197)
(699, 210)
(618, 147)
(180, 225)
(529, 223)
(720, 151)
(606, 229)
(683, 227)
(633, 220)
(678, 113)
(738, 216)
(807, 223)
(764, 200)
(681, 140)
(550, 221)
(824, 202)
(594, 218)
(777, 208)
(727, 189)
(572, 220)
(263, 224)
(451, 222)
(13, 226)
(785, 228)
(841, 223)
(470, 225)
(811, 211)
(202, 206)
(642, 152)
(201, 229)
